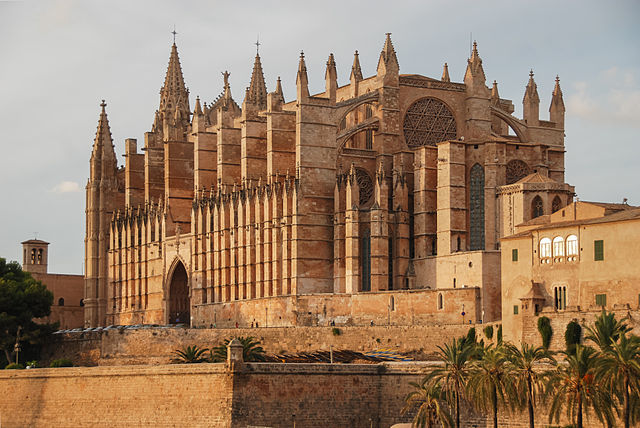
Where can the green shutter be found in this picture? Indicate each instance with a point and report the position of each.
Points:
(515, 309)
(601, 300)
(598, 250)
(514, 255)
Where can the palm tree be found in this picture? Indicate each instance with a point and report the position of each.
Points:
(190, 354)
(528, 384)
(453, 376)
(428, 396)
(619, 368)
(488, 384)
(606, 330)
(251, 350)
(574, 384)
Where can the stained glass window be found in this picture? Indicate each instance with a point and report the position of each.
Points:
(516, 170)
(476, 214)
(427, 122)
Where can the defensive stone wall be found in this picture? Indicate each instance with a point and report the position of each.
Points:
(155, 345)
(212, 395)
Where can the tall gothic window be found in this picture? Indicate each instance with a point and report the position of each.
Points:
(365, 251)
(556, 204)
(476, 208)
(537, 207)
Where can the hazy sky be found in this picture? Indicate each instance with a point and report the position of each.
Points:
(58, 59)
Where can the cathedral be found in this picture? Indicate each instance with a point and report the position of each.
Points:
(379, 201)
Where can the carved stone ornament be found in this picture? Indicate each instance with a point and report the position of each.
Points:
(427, 122)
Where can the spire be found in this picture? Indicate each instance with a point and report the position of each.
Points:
(174, 92)
(445, 73)
(556, 110)
(495, 96)
(257, 87)
(531, 102)
(331, 78)
(532, 89)
(279, 88)
(198, 109)
(302, 81)
(103, 143)
(388, 62)
(356, 71)
(475, 72)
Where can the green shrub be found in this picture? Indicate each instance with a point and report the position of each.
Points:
(14, 366)
(336, 331)
(572, 336)
(499, 333)
(32, 364)
(545, 330)
(471, 335)
(190, 354)
(488, 332)
(61, 362)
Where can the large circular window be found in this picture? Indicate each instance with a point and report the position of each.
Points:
(427, 122)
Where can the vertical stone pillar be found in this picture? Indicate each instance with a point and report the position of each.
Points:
(452, 210)
(235, 359)
(352, 235)
(339, 200)
(425, 200)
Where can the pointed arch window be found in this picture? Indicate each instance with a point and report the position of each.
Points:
(476, 214)
(556, 204)
(537, 207)
(440, 302)
(365, 251)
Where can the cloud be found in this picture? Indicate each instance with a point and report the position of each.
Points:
(66, 187)
(613, 98)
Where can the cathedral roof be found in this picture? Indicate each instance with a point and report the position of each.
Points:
(536, 177)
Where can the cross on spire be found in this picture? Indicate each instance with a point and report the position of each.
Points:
(174, 34)
(257, 43)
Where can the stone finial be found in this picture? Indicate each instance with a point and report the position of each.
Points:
(302, 81)
(445, 73)
(356, 70)
(198, 109)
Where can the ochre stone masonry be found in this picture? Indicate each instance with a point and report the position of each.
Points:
(236, 395)
(326, 207)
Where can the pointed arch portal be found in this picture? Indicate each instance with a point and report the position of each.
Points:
(179, 305)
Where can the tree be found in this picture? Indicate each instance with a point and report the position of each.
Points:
(619, 369)
(488, 385)
(574, 385)
(190, 354)
(453, 376)
(572, 336)
(528, 384)
(606, 330)
(251, 350)
(22, 299)
(431, 406)
(545, 330)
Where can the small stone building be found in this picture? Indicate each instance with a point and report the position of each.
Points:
(581, 258)
(68, 290)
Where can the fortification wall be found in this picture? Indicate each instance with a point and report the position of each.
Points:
(154, 346)
(209, 395)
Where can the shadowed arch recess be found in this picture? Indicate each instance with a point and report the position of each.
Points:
(179, 305)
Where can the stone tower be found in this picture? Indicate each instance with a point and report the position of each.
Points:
(102, 189)
(34, 256)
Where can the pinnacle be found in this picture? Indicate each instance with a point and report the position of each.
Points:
(279, 87)
(445, 73)
(556, 90)
(174, 92)
(356, 71)
(103, 143)
(257, 88)
(388, 52)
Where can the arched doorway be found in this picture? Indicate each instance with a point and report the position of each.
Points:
(179, 306)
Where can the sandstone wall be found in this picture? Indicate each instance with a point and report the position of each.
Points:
(208, 395)
(154, 346)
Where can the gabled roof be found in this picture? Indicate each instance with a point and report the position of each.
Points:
(536, 177)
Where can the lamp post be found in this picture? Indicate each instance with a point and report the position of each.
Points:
(16, 347)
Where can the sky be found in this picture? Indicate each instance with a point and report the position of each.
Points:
(58, 59)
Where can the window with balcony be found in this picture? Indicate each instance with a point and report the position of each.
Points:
(545, 250)
(572, 248)
(558, 249)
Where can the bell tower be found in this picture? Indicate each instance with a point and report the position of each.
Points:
(34, 256)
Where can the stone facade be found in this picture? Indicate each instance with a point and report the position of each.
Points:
(580, 258)
(390, 182)
(68, 290)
